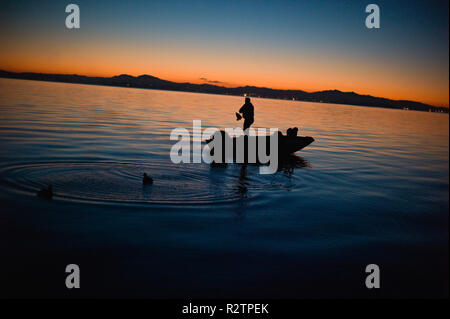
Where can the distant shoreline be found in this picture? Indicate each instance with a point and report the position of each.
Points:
(151, 82)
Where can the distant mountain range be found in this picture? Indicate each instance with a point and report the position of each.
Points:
(151, 82)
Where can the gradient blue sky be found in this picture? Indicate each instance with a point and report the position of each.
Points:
(310, 45)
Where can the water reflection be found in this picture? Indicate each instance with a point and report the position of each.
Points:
(286, 166)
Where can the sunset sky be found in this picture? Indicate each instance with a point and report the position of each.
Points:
(307, 45)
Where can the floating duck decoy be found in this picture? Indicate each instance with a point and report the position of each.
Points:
(46, 192)
(147, 179)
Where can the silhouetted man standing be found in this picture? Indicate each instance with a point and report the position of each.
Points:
(247, 111)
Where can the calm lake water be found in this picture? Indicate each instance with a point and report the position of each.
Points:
(372, 188)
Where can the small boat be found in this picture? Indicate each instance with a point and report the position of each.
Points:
(286, 144)
(292, 144)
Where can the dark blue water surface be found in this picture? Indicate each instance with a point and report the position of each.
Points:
(372, 188)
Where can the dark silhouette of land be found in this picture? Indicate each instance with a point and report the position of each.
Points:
(151, 82)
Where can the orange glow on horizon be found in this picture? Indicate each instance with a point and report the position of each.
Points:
(264, 46)
(310, 72)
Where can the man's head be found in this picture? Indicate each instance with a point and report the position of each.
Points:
(247, 100)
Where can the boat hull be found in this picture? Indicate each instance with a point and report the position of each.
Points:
(286, 145)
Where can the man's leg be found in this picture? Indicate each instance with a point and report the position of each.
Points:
(247, 123)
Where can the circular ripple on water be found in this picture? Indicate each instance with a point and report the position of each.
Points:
(122, 182)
